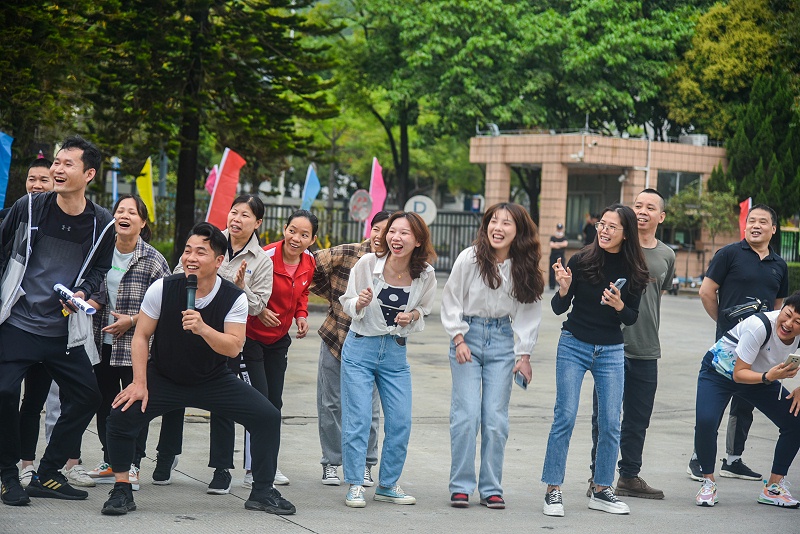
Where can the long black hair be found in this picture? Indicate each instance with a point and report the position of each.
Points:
(146, 233)
(592, 258)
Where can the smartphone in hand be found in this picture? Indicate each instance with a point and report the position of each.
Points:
(519, 379)
(617, 286)
(793, 361)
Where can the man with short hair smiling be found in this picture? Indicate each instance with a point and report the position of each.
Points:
(188, 367)
(58, 237)
(738, 273)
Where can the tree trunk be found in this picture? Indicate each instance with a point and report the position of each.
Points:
(189, 138)
(405, 163)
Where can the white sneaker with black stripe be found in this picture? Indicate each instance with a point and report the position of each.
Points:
(606, 501)
(330, 475)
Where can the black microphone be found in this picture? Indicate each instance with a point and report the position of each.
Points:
(191, 290)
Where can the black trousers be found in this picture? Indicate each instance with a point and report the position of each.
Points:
(37, 387)
(266, 367)
(225, 395)
(112, 380)
(222, 435)
(641, 382)
(71, 370)
(740, 419)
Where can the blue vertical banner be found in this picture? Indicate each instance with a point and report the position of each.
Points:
(5, 164)
(311, 188)
(115, 161)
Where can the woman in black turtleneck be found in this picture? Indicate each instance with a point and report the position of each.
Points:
(591, 340)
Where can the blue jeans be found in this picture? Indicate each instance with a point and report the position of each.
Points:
(607, 365)
(481, 391)
(381, 360)
(714, 391)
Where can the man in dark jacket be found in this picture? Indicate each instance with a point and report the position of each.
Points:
(46, 240)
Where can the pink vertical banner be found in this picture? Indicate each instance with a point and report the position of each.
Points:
(377, 191)
(744, 209)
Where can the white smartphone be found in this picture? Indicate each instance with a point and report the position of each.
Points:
(793, 361)
(617, 286)
(519, 379)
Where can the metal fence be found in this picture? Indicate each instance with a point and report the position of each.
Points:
(451, 232)
(790, 246)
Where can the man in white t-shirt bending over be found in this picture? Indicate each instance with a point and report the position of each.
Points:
(188, 367)
(749, 361)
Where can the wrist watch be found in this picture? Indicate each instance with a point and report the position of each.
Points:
(764, 379)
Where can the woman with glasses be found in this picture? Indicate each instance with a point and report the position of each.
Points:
(591, 340)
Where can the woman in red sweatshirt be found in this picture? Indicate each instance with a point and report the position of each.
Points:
(268, 339)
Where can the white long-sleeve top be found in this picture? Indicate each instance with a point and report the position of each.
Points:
(368, 272)
(466, 294)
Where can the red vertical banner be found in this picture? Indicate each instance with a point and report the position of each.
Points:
(744, 209)
(377, 191)
(224, 188)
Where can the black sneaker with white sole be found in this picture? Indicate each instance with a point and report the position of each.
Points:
(54, 486)
(221, 483)
(120, 500)
(165, 464)
(330, 475)
(606, 501)
(12, 492)
(553, 504)
(737, 469)
(694, 471)
(270, 501)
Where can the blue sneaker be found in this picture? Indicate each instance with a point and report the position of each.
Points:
(395, 495)
(355, 497)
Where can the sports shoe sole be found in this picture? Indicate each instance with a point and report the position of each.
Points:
(42, 492)
(708, 504)
(731, 474)
(331, 481)
(779, 504)
(553, 510)
(356, 504)
(22, 501)
(118, 510)
(104, 480)
(639, 495)
(493, 506)
(261, 507)
(219, 491)
(395, 500)
(594, 504)
(459, 504)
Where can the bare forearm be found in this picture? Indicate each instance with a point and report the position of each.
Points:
(229, 345)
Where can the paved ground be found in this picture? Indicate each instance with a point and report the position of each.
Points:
(185, 507)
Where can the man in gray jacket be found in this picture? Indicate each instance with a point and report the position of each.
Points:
(49, 239)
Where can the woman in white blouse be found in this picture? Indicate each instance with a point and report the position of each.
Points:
(388, 294)
(494, 291)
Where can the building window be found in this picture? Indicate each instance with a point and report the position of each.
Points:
(672, 182)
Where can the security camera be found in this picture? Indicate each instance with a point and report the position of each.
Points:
(622, 178)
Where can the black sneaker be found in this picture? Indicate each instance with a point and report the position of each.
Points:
(269, 501)
(120, 500)
(737, 469)
(12, 492)
(694, 470)
(221, 483)
(54, 486)
(162, 474)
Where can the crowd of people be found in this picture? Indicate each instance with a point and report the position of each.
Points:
(215, 334)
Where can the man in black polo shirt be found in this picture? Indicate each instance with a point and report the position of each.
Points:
(188, 367)
(738, 273)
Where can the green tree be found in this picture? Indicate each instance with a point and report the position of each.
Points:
(718, 210)
(242, 71)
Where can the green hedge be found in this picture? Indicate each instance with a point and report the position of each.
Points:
(794, 277)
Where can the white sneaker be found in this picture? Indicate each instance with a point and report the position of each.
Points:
(368, 477)
(778, 495)
(77, 476)
(247, 483)
(330, 475)
(280, 479)
(606, 501)
(553, 503)
(133, 477)
(707, 496)
(26, 475)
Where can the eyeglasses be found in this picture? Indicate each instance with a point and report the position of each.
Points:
(600, 226)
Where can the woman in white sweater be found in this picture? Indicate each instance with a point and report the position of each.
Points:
(494, 291)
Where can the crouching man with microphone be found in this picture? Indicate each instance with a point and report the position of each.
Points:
(188, 367)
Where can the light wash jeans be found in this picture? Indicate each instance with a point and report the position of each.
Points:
(607, 365)
(329, 411)
(381, 360)
(481, 391)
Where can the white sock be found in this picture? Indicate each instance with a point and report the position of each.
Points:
(732, 458)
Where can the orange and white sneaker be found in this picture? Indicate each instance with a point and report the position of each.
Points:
(102, 473)
(778, 495)
(707, 496)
